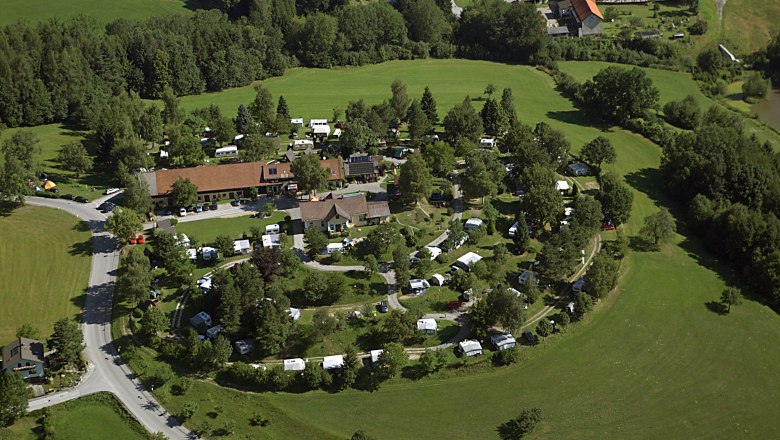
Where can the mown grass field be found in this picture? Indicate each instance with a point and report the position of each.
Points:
(44, 267)
(51, 138)
(95, 417)
(205, 231)
(749, 24)
(653, 362)
(101, 11)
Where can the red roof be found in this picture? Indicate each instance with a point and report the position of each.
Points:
(211, 178)
(584, 8)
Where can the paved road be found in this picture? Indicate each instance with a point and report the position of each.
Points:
(107, 371)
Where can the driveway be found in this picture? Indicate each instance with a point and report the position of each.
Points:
(106, 370)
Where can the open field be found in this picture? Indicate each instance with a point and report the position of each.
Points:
(749, 24)
(51, 139)
(101, 11)
(95, 417)
(44, 266)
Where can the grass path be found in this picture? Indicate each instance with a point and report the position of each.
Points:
(44, 266)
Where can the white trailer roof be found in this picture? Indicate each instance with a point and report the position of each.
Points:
(296, 364)
(332, 362)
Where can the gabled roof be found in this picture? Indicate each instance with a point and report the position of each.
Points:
(282, 170)
(584, 8)
(327, 209)
(378, 209)
(23, 349)
(206, 178)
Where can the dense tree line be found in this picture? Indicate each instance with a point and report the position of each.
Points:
(730, 186)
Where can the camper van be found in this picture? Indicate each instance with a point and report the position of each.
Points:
(231, 151)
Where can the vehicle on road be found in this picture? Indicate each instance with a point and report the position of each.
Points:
(81, 199)
(182, 212)
(198, 208)
(111, 191)
(214, 207)
(382, 307)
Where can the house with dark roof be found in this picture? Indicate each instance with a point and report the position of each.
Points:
(363, 167)
(583, 17)
(337, 215)
(278, 176)
(24, 357)
(217, 182)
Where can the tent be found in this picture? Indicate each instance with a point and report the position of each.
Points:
(375, 355)
(295, 314)
(467, 260)
(47, 185)
(427, 325)
(296, 364)
(437, 279)
(333, 362)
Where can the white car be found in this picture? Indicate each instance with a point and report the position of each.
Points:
(111, 191)
(182, 212)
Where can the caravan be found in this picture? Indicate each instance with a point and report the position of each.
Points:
(229, 151)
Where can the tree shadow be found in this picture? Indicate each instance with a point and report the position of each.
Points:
(646, 181)
(716, 307)
(640, 244)
(82, 248)
(7, 207)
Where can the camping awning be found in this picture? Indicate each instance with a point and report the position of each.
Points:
(49, 184)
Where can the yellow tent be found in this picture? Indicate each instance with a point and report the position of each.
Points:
(49, 185)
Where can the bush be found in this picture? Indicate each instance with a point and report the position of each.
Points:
(441, 259)
(755, 88)
(684, 113)
(698, 28)
(505, 357)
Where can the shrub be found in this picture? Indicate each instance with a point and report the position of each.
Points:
(684, 113)
(698, 28)
(755, 88)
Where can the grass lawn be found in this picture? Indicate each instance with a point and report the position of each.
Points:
(51, 138)
(205, 231)
(44, 267)
(101, 10)
(749, 24)
(94, 417)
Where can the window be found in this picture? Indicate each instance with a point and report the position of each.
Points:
(322, 223)
(271, 171)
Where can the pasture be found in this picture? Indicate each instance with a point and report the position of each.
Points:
(44, 267)
(101, 11)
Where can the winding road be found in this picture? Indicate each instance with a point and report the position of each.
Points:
(106, 371)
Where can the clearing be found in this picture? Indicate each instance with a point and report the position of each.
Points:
(101, 10)
(44, 267)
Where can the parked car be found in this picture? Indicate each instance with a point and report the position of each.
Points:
(382, 307)
(140, 239)
(608, 226)
(205, 207)
(437, 197)
(108, 208)
(111, 191)
(132, 240)
(182, 212)
(414, 260)
(81, 199)
(214, 207)
(198, 208)
(67, 196)
(236, 202)
(530, 337)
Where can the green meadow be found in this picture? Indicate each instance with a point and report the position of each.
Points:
(101, 11)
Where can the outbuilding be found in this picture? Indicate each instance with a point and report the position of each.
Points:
(470, 347)
(201, 319)
(333, 362)
(503, 341)
(427, 325)
(242, 247)
(296, 364)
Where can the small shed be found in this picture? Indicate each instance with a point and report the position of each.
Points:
(296, 364)
(375, 356)
(295, 314)
(473, 223)
(272, 240)
(437, 279)
(213, 331)
(242, 247)
(562, 186)
(470, 347)
(467, 260)
(333, 362)
(427, 325)
(503, 341)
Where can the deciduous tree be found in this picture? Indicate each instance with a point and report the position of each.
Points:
(463, 124)
(67, 340)
(309, 173)
(415, 179)
(521, 425)
(73, 156)
(183, 192)
(13, 398)
(730, 296)
(124, 224)
(598, 151)
(658, 228)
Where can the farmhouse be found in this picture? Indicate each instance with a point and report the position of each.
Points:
(25, 358)
(583, 17)
(362, 167)
(336, 215)
(427, 325)
(219, 182)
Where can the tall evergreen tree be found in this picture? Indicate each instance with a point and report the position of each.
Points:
(13, 398)
(281, 107)
(67, 340)
(428, 104)
(244, 121)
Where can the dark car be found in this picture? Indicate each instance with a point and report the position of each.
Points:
(214, 207)
(236, 202)
(67, 196)
(81, 199)
(529, 337)
(437, 197)
(205, 207)
(382, 307)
